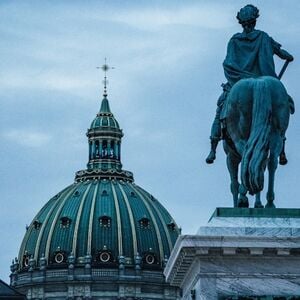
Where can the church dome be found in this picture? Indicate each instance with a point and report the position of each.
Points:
(102, 233)
(104, 219)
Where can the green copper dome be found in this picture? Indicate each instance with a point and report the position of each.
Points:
(99, 216)
(103, 217)
(102, 237)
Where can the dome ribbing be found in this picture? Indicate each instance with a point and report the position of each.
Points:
(102, 232)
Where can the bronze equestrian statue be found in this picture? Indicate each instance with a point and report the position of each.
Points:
(253, 110)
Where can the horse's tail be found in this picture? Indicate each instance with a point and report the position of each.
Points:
(257, 147)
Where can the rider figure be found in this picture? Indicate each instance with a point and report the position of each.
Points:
(249, 55)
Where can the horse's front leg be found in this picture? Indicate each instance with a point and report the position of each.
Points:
(258, 203)
(272, 166)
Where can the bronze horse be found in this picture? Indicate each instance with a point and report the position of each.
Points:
(257, 117)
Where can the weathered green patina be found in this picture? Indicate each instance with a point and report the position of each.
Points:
(254, 110)
(103, 236)
(249, 55)
(257, 118)
(103, 211)
(228, 212)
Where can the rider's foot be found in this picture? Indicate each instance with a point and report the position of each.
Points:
(282, 159)
(211, 157)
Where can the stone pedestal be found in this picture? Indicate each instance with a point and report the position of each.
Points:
(240, 254)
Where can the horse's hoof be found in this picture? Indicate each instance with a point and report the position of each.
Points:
(209, 161)
(282, 159)
(211, 157)
(270, 205)
(258, 205)
(243, 202)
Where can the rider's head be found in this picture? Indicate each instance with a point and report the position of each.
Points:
(247, 17)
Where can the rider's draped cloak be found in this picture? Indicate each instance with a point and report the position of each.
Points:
(250, 55)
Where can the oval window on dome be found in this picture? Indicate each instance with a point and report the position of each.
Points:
(25, 261)
(76, 194)
(59, 258)
(105, 257)
(149, 259)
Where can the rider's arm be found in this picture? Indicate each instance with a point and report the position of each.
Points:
(283, 54)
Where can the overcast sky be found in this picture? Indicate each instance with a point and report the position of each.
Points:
(168, 69)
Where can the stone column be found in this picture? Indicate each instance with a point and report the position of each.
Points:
(90, 150)
(117, 150)
(100, 148)
(93, 149)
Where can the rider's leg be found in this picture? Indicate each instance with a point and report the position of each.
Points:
(216, 131)
(213, 147)
(215, 137)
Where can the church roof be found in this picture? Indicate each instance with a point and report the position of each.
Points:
(100, 215)
(105, 119)
(7, 292)
(103, 216)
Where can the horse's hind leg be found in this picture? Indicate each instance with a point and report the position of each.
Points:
(258, 203)
(233, 166)
(243, 200)
(272, 166)
(275, 149)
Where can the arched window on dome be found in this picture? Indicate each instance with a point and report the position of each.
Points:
(104, 193)
(112, 149)
(104, 151)
(97, 150)
(172, 226)
(105, 221)
(37, 224)
(65, 222)
(118, 151)
(144, 223)
(90, 150)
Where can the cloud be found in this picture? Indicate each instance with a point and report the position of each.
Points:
(45, 80)
(59, 52)
(205, 15)
(27, 138)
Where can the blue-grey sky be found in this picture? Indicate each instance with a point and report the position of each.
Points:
(163, 91)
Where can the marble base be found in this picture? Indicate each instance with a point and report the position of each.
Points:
(239, 254)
